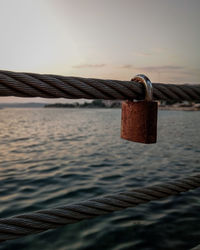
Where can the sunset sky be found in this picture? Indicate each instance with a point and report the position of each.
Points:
(109, 39)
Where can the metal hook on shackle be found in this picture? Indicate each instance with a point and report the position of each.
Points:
(140, 78)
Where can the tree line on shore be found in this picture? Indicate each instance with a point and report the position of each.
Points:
(93, 104)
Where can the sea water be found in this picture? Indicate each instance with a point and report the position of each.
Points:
(55, 157)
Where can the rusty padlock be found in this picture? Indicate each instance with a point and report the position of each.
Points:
(139, 118)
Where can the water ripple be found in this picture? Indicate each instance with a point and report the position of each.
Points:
(51, 157)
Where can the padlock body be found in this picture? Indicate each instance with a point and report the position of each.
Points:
(139, 121)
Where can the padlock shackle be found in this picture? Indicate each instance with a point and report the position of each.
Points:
(147, 84)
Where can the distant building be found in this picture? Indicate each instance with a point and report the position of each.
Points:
(112, 103)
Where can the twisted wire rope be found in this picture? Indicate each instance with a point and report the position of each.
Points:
(36, 222)
(55, 86)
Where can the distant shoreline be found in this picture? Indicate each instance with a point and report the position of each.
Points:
(159, 107)
(100, 104)
(52, 107)
(179, 108)
(117, 104)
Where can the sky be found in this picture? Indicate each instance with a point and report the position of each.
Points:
(108, 39)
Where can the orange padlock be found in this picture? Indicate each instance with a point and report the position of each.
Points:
(139, 118)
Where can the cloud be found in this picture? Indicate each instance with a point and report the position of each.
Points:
(162, 68)
(127, 66)
(89, 66)
(167, 73)
(151, 52)
(142, 54)
(159, 50)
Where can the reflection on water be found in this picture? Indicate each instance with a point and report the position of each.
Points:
(51, 157)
